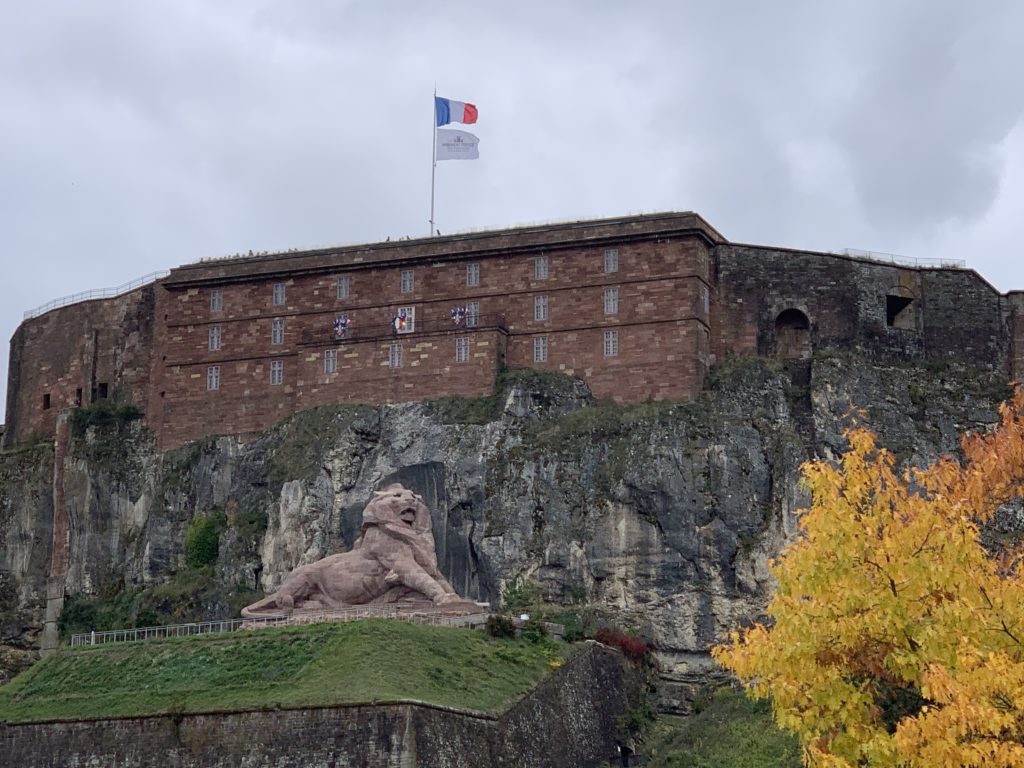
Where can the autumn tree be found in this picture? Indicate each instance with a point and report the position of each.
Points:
(895, 638)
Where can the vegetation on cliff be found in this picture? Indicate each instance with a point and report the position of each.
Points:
(319, 665)
(727, 731)
(895, 638)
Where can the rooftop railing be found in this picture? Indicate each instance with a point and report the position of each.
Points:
(327, 334)
(97, 293)
(909, 261)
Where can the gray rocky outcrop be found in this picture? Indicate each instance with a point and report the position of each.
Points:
(665, 515)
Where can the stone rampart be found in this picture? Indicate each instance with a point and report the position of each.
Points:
(568, 720)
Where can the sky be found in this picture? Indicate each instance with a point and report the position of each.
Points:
(138, 135)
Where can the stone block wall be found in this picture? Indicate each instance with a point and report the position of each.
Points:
(568, 720)
(949, 313)
(75, 355)
(685, 299)
(659, 319)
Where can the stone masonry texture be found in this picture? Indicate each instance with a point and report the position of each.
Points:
(638, 307)
(568, 720)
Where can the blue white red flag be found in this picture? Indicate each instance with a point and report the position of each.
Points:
(448, 111)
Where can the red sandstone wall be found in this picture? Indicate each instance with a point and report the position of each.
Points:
(662, 310)
(106, 341)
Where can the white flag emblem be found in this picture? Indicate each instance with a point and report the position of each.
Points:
(456, 145)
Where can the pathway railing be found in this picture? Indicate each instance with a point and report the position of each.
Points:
(97, 293)
(437, 617)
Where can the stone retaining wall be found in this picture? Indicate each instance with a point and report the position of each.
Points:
(568, 720)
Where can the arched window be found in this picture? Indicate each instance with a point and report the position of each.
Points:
(792, 335)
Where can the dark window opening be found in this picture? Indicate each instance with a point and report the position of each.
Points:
(46, 401)
(78, 398)
(792, 335)
(102, 390)
(898, 313)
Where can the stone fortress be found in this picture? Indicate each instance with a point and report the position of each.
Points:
(639, 307)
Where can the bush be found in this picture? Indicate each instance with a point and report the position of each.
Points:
(102, 413)
(202, 541)
(535, 631)
(501, 626)
(520, 595)
(632, 647)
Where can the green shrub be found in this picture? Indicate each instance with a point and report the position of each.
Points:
(535, 631)
(202, 541)
(520, 595)
(102, 413)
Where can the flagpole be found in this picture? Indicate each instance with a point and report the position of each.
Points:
(433, 157)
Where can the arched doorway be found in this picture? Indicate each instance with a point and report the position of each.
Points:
(792, 335)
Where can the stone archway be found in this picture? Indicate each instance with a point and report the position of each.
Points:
(792, 335)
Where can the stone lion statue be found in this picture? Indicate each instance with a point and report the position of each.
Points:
(392, 561)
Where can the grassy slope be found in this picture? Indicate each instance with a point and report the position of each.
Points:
(317, 665)
(731, 732)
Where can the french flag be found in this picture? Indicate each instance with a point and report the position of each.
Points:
(448, 111)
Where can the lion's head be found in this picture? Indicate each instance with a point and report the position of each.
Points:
(397, 506)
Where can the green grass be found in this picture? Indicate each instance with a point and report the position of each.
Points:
(730, 732)
(318, 665)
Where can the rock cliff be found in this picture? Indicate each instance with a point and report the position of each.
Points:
(666, 515)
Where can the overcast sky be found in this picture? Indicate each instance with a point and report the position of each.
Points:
(139, 135)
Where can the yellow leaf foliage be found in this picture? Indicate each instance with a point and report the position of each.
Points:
(894, 638)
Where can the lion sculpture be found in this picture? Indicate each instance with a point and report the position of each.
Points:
(392, 561)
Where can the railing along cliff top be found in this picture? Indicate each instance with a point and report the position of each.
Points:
(96, 293)
(909, 261)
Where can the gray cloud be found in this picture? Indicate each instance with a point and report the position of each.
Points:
(136, 135)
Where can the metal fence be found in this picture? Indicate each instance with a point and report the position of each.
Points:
(436, 618)
(910, 261)
(98, 293)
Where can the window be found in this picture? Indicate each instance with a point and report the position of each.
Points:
(472, 314)
(472, 274)
(461, 349)
(278, 294)
(395, 356)
(705, 298)
(216, 300)
(611, 300)
(404, 320)
(540, 267)
(276, 372)
(407, 281)
(899, 312)
(540, 307)
(540, 349)
(78, 397)
(611, 343)
(46, 401)
(277, 331)
(611, 260)
(102, 390)
(343, 287)
(331, 361)
(214, 340)
(213, 377)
